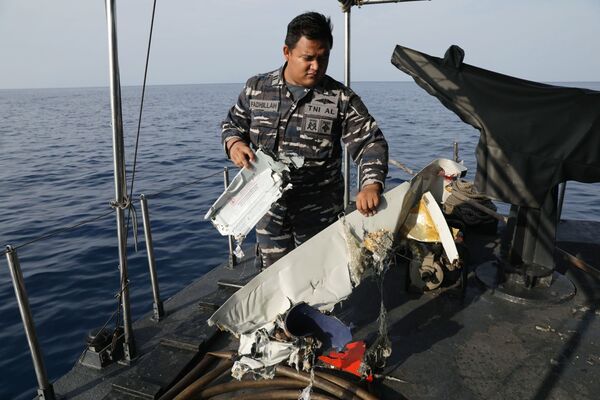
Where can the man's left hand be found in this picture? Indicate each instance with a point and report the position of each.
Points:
(367, 200)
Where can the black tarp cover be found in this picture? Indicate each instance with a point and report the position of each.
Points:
(533, 135)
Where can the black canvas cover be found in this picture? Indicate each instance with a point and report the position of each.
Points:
(533, 135)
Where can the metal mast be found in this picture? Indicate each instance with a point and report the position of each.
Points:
(121, 202)
(346, 7)
(346, 158)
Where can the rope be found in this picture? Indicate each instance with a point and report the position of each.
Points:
(86, 348)
(401, 166)
(128, 205)
(381, 348)
(346, 5)
(460, 204)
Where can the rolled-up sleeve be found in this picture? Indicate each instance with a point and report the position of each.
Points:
(366, 144)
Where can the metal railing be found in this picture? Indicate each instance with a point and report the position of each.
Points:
(157, 305)
(231, 260)
(45, 390)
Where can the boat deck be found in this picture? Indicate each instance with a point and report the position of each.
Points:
(487, 347)
(484, 347)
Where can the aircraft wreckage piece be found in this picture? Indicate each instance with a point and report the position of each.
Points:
(317, 272)
(249, 196)
(427, 224)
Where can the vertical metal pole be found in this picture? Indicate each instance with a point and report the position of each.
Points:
(45, 390)
(119, 173)
(231, 260)
(346, 158)
(561, 198)
(157, 305)
(455, 146)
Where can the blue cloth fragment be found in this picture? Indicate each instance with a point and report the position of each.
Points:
(304, 320)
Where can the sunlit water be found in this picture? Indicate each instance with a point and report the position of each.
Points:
(56, 170)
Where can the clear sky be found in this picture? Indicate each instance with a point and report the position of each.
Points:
(62, 43)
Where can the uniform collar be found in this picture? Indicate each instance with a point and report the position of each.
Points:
(279, 81)
(277, 76)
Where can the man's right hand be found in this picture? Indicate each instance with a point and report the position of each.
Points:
(241, 154)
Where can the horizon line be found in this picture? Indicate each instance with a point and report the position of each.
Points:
(226, 83)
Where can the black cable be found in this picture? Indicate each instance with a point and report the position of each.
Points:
(137, 139)
(87, 221)
(130, 208)
(178, 186)
(61, 230)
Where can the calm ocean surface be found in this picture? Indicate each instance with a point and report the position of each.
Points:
(56, 170)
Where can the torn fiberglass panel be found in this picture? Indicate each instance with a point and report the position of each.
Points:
(317, 271)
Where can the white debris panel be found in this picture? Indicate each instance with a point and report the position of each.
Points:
(429, 225)
(248, 197)
(317, 272)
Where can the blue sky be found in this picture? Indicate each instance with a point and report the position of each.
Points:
(62, 43)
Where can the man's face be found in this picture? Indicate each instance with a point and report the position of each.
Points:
(306, 62)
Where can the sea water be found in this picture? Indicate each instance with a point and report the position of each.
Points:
(56, 171)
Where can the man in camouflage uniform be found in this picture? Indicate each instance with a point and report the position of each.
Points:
(298, 110)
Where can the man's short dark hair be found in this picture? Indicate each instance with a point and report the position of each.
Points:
(312, 25)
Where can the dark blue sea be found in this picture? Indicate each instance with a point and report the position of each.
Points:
(56, 171)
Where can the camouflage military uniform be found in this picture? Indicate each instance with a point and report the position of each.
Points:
(267, 115)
